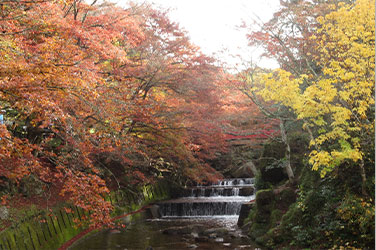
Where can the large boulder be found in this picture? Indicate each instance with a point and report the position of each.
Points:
(265, 200)
(272, 163)
(273, 174)
(153, 212)
(244, 212)
(247, 170)
(246, 191)
(285, 197)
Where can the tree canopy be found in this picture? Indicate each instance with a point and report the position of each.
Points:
(95, 98)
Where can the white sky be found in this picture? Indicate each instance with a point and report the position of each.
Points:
(212, 24)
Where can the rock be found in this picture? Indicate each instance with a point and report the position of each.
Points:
(179, 230)
(285, 198)
(245, 171)
(247, 247)
(246, 191)
(170, 231)
(202, 239)
(4, 213)
(246, 226)
(194, 235)
(218, 231)
(265, 200)
(153, 212)
(227, 244)
(188, 238)
(244, 211)
(193, 246)
(196, 228)
(235, 234)
(219, 240)
(212, 236)
(273, 175)
(154, 209)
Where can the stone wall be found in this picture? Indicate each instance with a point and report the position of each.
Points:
(50, 230)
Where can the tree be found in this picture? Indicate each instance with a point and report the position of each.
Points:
(95, 94)
(335, 105)
(48, 85)
(169, 73)
(274, 116)
(285, 37)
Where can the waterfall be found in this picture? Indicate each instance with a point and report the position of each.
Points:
(222, 198)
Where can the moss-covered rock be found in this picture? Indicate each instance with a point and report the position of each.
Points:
(265, 217)
(265, 200)
(288, 196)
(261, 213)
(271, 164)
(273, 174)
(257, 230)
(285, 197)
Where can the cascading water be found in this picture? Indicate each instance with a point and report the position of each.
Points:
(205, 218)
(218, 199)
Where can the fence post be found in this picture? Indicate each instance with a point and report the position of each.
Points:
(31, 238)
(10, 247)
(67, 215)
(36, 233)
(53, 224)
(78, 213)
(62, 218)
(41, 228)
(23, 239)
(58, 223)
(15, 239)
(48, 226)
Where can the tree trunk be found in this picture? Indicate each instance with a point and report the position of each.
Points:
(364, 178)
(289, 171)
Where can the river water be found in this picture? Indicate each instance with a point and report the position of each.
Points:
(204, 219)
(158, 234)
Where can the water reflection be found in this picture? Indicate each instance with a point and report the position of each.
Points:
(211, 232)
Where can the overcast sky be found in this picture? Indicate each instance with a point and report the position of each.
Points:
(212, 24)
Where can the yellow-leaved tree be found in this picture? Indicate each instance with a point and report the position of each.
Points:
(336, 101)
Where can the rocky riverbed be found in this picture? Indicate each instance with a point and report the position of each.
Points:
(172, 233)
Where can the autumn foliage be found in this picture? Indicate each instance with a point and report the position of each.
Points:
(325, 90)
(335, 100)
(96, 97)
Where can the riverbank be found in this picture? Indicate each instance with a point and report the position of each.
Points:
(52, 229)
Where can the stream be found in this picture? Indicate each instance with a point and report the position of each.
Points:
(205, 218)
